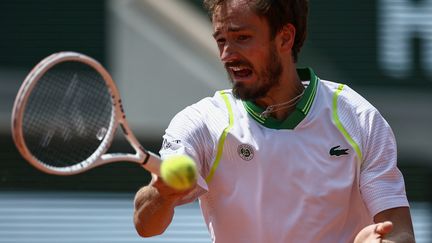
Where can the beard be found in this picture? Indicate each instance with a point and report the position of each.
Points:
(267, 77)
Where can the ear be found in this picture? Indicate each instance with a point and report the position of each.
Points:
(287, 37)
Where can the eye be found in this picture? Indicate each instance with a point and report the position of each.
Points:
(243, 37)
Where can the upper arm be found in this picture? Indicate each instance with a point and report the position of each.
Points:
(402, 223)
(381, 182)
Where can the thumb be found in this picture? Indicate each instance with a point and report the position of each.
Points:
(384, 228)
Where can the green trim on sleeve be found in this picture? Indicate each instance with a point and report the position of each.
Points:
(339, 125)
(222, 137)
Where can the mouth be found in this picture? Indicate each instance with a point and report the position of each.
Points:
(240, 73)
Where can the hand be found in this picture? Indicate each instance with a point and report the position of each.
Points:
(374, 233)
(167, 192)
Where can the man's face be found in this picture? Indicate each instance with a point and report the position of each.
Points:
(246, 50)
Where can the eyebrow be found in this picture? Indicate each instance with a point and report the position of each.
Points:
(230, 29)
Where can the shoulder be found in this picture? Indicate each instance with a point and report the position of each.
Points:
(355, 116)
(208, 112)
(217, 101)
(206, 106)
(343, 98)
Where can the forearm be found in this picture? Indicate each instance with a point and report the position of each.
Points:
(403, 237)
(391, 226)
(153, 213)
(402, 225)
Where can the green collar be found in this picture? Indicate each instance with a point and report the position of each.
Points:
(302, 107)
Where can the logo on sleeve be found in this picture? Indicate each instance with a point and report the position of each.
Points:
(245, 151)
(173, 144)
(335, 151)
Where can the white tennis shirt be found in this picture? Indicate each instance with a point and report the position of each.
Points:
(318, 176)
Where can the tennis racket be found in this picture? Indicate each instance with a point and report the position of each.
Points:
(66, 115)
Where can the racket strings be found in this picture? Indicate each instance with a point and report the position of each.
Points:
(67, 115)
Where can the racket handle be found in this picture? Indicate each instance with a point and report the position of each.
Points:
(152, 163)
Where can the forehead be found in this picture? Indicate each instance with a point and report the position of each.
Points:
(234, 14)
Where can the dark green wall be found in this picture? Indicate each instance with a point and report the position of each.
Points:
(31, 30)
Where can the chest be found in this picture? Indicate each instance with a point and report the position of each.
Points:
(314, 159)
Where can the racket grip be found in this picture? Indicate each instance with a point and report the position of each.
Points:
(152, 163)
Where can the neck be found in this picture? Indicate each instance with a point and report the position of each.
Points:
(282, 99)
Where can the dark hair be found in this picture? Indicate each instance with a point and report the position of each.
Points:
(278, 13)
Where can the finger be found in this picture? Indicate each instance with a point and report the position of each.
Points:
(384, 228)
(168, 191)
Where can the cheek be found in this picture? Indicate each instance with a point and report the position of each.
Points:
(258, 54)
(259, 61)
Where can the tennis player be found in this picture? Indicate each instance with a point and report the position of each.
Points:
(283, 156)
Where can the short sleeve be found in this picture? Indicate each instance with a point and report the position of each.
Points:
(188, 134)
(381, 182)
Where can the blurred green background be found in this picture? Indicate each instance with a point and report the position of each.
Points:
(342, 45)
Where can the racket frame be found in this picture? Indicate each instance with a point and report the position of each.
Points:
(147, 159)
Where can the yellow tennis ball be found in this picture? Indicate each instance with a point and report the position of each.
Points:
(179, 172)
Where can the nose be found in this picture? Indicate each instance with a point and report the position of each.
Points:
(228, 53)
